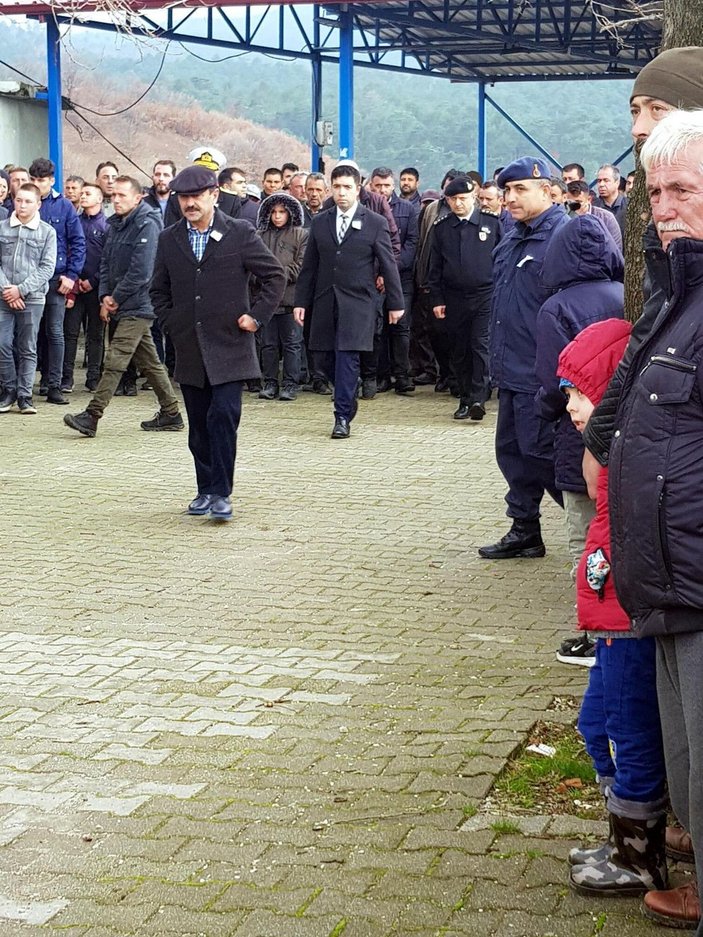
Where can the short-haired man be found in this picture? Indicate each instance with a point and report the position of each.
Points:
(573, 172)
(233, 181)
(461, 283)
(609, 195)
(558, 190)
(272, 181)
(348, 247)
(18, 176)
(580, 202)
(70, 257)
(629, 182)
(288, 170)
(200, 292)
(524, 442)
(27, 264)
(297, 186)
(409, 185)
(656, 493)
(158, 195)
(126, 266)
(490, 198)
(315, 195)
(72, 190)
(105, 175)
(86, 307)
(391, 353)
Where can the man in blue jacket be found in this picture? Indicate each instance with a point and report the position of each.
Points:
(70, 257)
(126, 267)
(524, 442)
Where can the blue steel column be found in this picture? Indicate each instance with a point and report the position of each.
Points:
(482, 129)
(315, 150)
(346, 85)
(53, 91)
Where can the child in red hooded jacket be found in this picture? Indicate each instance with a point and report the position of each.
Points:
(619, 717)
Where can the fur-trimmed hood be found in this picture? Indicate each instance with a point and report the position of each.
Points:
(291, 205)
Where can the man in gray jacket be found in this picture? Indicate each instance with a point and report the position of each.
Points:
(27, 261)
(126, 267)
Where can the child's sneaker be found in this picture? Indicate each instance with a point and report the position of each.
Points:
(580, 650)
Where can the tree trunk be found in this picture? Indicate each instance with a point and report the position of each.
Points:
(683, 26)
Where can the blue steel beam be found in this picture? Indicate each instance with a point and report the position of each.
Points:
(53, 91)
(346, 85)
(513, 123)
(482, 129)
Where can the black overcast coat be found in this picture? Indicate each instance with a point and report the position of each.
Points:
(198, 304)
(339, 280)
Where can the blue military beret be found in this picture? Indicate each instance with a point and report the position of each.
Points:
(527, 167)
(193, 179)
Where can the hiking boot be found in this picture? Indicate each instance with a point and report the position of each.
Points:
(25, 406)
(580, 650)
(130, 389)
(163, 421)
(54, 395)
(524, 539)
(84, 422)
(7, 401)
(678, 844)
(675, 907)
(270, 391)
(636, 864)
(288, 392)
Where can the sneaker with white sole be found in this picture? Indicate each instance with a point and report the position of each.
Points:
(25, 406)
(580, 650)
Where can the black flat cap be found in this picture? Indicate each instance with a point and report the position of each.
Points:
(193, 179)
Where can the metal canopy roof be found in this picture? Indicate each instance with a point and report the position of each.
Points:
(462, 40)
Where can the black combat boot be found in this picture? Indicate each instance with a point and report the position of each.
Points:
(523, 539)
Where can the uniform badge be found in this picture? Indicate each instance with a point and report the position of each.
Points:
(356, 224)
(483, 233)
(535, 171)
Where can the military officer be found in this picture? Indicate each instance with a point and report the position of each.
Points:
(524, 442)
(460, 281)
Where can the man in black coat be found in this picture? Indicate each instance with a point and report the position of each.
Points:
(348, 247)
(200, 291)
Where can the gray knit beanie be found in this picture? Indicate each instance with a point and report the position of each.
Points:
(675, 77)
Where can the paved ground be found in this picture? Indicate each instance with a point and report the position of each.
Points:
(273, 728)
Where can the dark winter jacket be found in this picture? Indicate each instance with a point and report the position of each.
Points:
(599, 432)
(583, 263)
(198, 303)
(286, 244)
(588, 363)
(406, 218)
(429, 216)
(127, 261)
(95, 229)
(656, 479)
(518, 295)
(70, 241)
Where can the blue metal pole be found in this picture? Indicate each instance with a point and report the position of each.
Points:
(482, 129)
(526, 135)
(315, 150)
(346, 85)
(53, 90)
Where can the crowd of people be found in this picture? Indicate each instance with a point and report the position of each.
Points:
(358, 285)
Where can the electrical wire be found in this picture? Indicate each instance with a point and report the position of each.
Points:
(108, 141)
(129, 107)
(13, 69)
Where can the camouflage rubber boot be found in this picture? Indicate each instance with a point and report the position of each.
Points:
(594, 855)
(637, 861)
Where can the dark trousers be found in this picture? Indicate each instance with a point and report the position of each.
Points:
(422, 355)
(346, 380)
(164, 347)
(282, 339)
(466, 328)
(50, 341)
(86, 311)
(525, 455)
(369, 359)
(213, 419)
(394, 343)
(619, 721)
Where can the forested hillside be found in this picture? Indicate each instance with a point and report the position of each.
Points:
(399, 119)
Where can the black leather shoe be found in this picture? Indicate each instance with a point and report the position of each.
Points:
(462, 412)
(522, 540)
(220, 508)
(54, 395)
(423, 379)
(477, 411)
(341, 429)
(384, 385)
(369, 388)
(200, 505)
(441, 385)
(403, 385)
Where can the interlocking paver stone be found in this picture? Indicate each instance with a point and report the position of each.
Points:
(272, 728)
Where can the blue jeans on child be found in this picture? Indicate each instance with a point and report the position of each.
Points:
(18, 330)
(619, 721)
